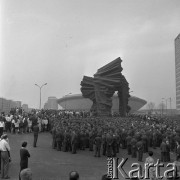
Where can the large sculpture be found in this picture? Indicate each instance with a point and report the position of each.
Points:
(101, 88)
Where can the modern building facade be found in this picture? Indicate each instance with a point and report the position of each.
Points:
(25, 107)
(177, 66)
(6, 105)
(77, 102)
(51, 103)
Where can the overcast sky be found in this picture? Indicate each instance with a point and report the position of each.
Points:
(59, 41)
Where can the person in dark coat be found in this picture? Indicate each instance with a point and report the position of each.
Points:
(36, 132)
(74, 142)
(24, 155)
(97, 142)
(59, 139)
(140, 149)
(133, 148)
(104, 144)
(178, 151)
(128, 142)
(73, 175)
(163, 151)
(168, 159)
(91, 140)
(54, 138)
(109, 141)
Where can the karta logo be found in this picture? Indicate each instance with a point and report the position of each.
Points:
(115, 169)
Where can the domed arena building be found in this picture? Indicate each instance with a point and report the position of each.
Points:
(77, 102)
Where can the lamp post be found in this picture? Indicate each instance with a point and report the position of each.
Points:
(162, 106)
(170, 100)
(166, 104)
(40, 87)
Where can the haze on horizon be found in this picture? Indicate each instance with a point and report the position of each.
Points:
(58, 42)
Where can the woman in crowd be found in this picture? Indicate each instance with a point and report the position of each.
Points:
(24, 155)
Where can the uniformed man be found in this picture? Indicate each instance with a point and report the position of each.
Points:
(114, 146)
(91, 140)
(145, 143)
(109, 141)
(74, 142)
(104, 144)
(128, 142)
(133, 148)
(59, 139)
(97, 142)
(140, 148)
(65, 141)
(54, 145)
(163, 151)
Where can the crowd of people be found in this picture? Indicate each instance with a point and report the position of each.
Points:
(75, 131)
(106, 136)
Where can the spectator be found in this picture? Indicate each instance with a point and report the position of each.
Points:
(73, 175)
(36, 131)
(24, 155)
(105, 177)
(5, 149)
(25, 124)
(17, 121)
(1, 126)
(150, 160)
(29, 125)
(26, 174)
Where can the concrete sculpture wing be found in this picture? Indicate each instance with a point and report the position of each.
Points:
(101, 88)
(87, 89)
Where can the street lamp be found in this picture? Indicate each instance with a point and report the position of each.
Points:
(170, 100)
(40, 87)
(166, 104)
(162, 106)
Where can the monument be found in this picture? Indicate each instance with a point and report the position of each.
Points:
(101, 88)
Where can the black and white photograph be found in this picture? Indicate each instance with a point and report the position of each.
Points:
(90, 89)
